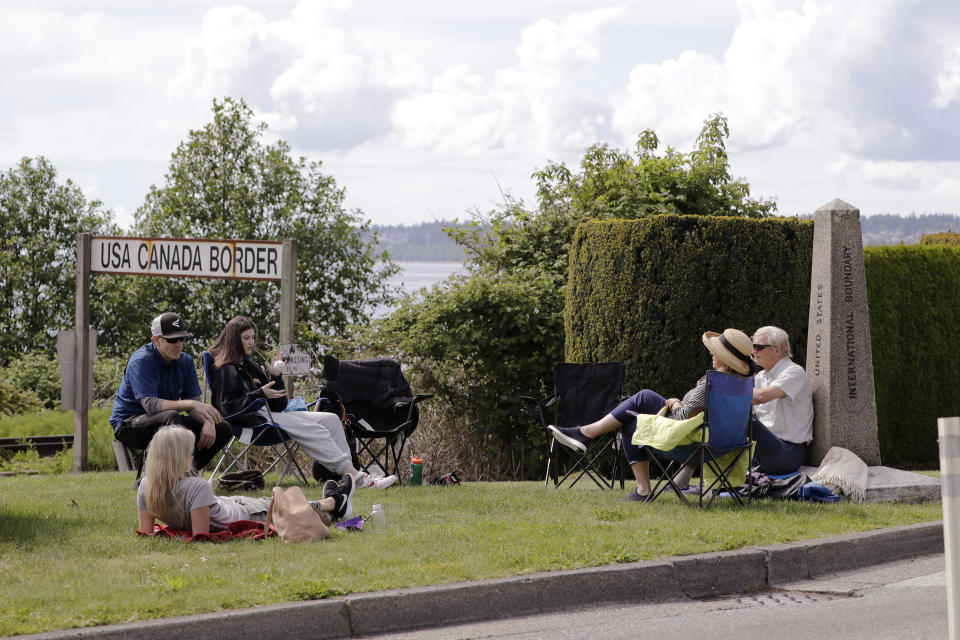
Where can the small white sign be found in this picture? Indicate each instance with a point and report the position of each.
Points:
(234, 259)
(297, 361)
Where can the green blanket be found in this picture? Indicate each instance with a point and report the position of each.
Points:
(664, 434)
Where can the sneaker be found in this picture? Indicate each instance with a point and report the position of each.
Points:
(330, 488)
(364, 480)
(343, 499)
(570, 437)
(633, 496)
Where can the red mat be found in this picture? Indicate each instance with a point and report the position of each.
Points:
(235, 530)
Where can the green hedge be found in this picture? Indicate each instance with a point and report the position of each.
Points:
(947, 237)
(914, 319)
(644, 291)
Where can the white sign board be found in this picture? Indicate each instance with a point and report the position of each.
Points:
(297, 361)
(235, 259)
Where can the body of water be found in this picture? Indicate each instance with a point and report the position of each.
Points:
(416, 275)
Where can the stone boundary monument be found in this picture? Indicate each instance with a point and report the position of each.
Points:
(839, 356)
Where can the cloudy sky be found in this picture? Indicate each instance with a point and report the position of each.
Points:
(426, 109)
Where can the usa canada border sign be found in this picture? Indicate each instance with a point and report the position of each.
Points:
(189, 258)
(172, 258)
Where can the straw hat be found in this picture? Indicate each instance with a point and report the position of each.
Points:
(733, 347)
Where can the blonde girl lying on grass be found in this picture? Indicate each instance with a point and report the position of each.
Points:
(170, 493)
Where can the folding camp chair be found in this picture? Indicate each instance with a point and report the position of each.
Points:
(583, 393)
(268, 436)
(724, 438)
(383, 411)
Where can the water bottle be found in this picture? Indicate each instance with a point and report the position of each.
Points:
(378, 519)
(416, 468)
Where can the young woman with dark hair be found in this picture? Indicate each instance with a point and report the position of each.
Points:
(237, 381)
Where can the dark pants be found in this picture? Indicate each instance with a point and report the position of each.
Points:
(644, 401)
(137, 432)
(773, 455)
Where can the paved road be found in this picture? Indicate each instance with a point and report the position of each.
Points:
(899, 601)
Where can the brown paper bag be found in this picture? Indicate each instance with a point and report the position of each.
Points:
(295, 519)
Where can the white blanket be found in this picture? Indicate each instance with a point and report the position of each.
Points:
(843, 473)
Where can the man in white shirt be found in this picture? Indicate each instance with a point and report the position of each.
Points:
(783, 404)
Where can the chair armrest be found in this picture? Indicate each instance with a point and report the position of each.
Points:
(543, 403)
(253, 407)
(534, 407)
(410, 418)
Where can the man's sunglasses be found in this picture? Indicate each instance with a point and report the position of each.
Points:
(173, 340)
(761, 347)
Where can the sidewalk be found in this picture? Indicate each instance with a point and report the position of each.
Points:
(697, 576)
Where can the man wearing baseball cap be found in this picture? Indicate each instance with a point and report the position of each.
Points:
(160, 387)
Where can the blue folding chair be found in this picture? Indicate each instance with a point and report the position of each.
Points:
(268, 435)
(725, 432)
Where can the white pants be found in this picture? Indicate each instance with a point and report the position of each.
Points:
(319, 434)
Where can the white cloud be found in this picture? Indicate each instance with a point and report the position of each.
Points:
(304, 74)
(540, 100)
(416, 106)
(877, 80)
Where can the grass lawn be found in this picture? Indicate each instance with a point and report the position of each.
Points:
(70, 557)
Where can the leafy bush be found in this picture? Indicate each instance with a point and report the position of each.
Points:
(37, 373)
(107, 373)
(14, 400)
(947, 237)
(478, 343)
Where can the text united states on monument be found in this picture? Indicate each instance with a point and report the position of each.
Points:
(235, 259)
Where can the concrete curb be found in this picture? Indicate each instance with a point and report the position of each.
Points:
(699, 576)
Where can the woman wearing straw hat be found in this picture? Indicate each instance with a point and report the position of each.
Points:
(731, 352)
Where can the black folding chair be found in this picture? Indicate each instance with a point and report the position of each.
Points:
(381, 408)
(725, 432)
(583, 393)
(267, 435)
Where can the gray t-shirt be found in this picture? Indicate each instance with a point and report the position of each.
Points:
(194, 493)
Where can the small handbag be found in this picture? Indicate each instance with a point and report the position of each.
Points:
(294, 517)
(250, 480)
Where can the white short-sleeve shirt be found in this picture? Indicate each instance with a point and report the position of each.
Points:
(790, 418)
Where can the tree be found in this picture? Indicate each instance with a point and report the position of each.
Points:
(224, 181)
(41, 219)
(511, 311)
(610, 184)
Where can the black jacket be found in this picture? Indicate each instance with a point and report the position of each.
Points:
(234, 386)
